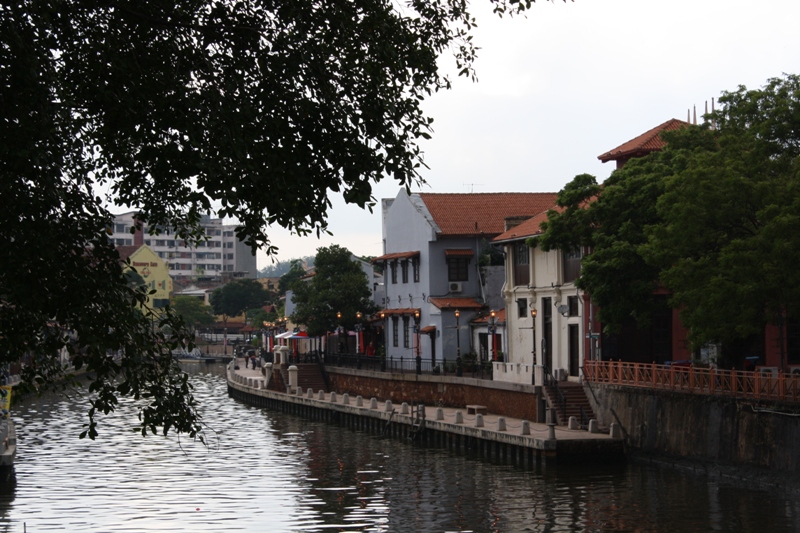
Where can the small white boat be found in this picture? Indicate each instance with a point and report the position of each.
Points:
(8, 442)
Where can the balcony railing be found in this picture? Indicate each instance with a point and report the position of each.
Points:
(755, 385)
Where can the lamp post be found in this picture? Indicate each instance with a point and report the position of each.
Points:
(417, 354)
(339, 330)
(358, 332)
(533, 328)
(492, 330)
(459, 369)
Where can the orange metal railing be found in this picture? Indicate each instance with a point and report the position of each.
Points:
(756, 385)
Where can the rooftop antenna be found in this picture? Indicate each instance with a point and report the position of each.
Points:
(694, 115)
(472, 186)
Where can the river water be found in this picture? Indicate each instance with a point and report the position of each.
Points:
(267, 471)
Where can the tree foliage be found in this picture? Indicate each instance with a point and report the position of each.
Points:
(338, 286)
(287, 281)
(237, 296)
(193, 311)
(259, 109)
(714, 218)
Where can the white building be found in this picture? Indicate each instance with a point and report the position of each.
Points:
(544, 282)
(223, 253)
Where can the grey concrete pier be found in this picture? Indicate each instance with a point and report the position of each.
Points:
(486, 434)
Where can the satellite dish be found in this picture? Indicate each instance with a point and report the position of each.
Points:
(563, 309)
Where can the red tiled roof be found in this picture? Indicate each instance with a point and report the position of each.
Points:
(428, 329)
(647, 142)
(482, 213)
(126, 251)
(456, 303)
(466, 252)
(396, 255)
(501, 317)
(529, 228)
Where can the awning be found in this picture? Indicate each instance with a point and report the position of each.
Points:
(285, 335)
(459, 252)
(396, 255)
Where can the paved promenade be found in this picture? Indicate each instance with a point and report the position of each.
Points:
(492, 422)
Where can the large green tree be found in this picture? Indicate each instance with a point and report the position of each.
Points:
(237, 296)
(193, 311)
(338, 286)
(259, 109)
(713, 218)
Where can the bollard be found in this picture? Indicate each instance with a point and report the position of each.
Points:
(439, 413)
(333, 397)
(593, 427)
(321, 395)
(359, 401)
(373, 403)
(345, 399)
(293, 377)
(388, 407)
(479, 421)
(459, 417)
(404, 408)
(526, 428)
(501, 424)
(573, 423)
(615, 431)
(310, 393)
(299, 391)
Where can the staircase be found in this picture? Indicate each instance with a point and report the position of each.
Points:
(310, 375)
(575, 398)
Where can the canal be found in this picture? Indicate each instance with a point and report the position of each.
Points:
(267, 471)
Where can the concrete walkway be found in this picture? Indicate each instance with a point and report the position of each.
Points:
(491, 421)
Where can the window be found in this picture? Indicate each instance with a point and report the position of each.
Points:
(404, 270)
(393, 266)
(119, 228)
(572, 304)
(147, 242)
(572, 265)
(415, 268)
(227, 234)
(405, 332)
(161, 242)
(521, 258)
(394, 331)
(458, 269)
(228, 245)
(522, 307)
(171, 243)
(229, 256)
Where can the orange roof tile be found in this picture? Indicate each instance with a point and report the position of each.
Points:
(482, 213)
(501, 317)
(647, 142)
(456, 303)
(126, 251)
(529, 228)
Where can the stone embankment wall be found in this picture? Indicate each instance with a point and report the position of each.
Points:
(723, 431)
(507, 399)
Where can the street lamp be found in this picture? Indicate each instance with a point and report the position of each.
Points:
(459, 370)
(358, 332)
(492, 330)
(533, 328)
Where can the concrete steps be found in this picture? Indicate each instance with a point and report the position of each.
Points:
(575, 401)
(310, 375)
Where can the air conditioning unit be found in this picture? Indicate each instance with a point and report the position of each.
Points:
(456, 286)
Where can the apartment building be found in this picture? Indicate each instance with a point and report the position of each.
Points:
(223, 254)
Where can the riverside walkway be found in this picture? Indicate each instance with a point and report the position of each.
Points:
(487, 434)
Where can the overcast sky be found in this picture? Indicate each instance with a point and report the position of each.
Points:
(569, 82)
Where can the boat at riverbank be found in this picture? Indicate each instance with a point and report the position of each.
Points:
(8, 442)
